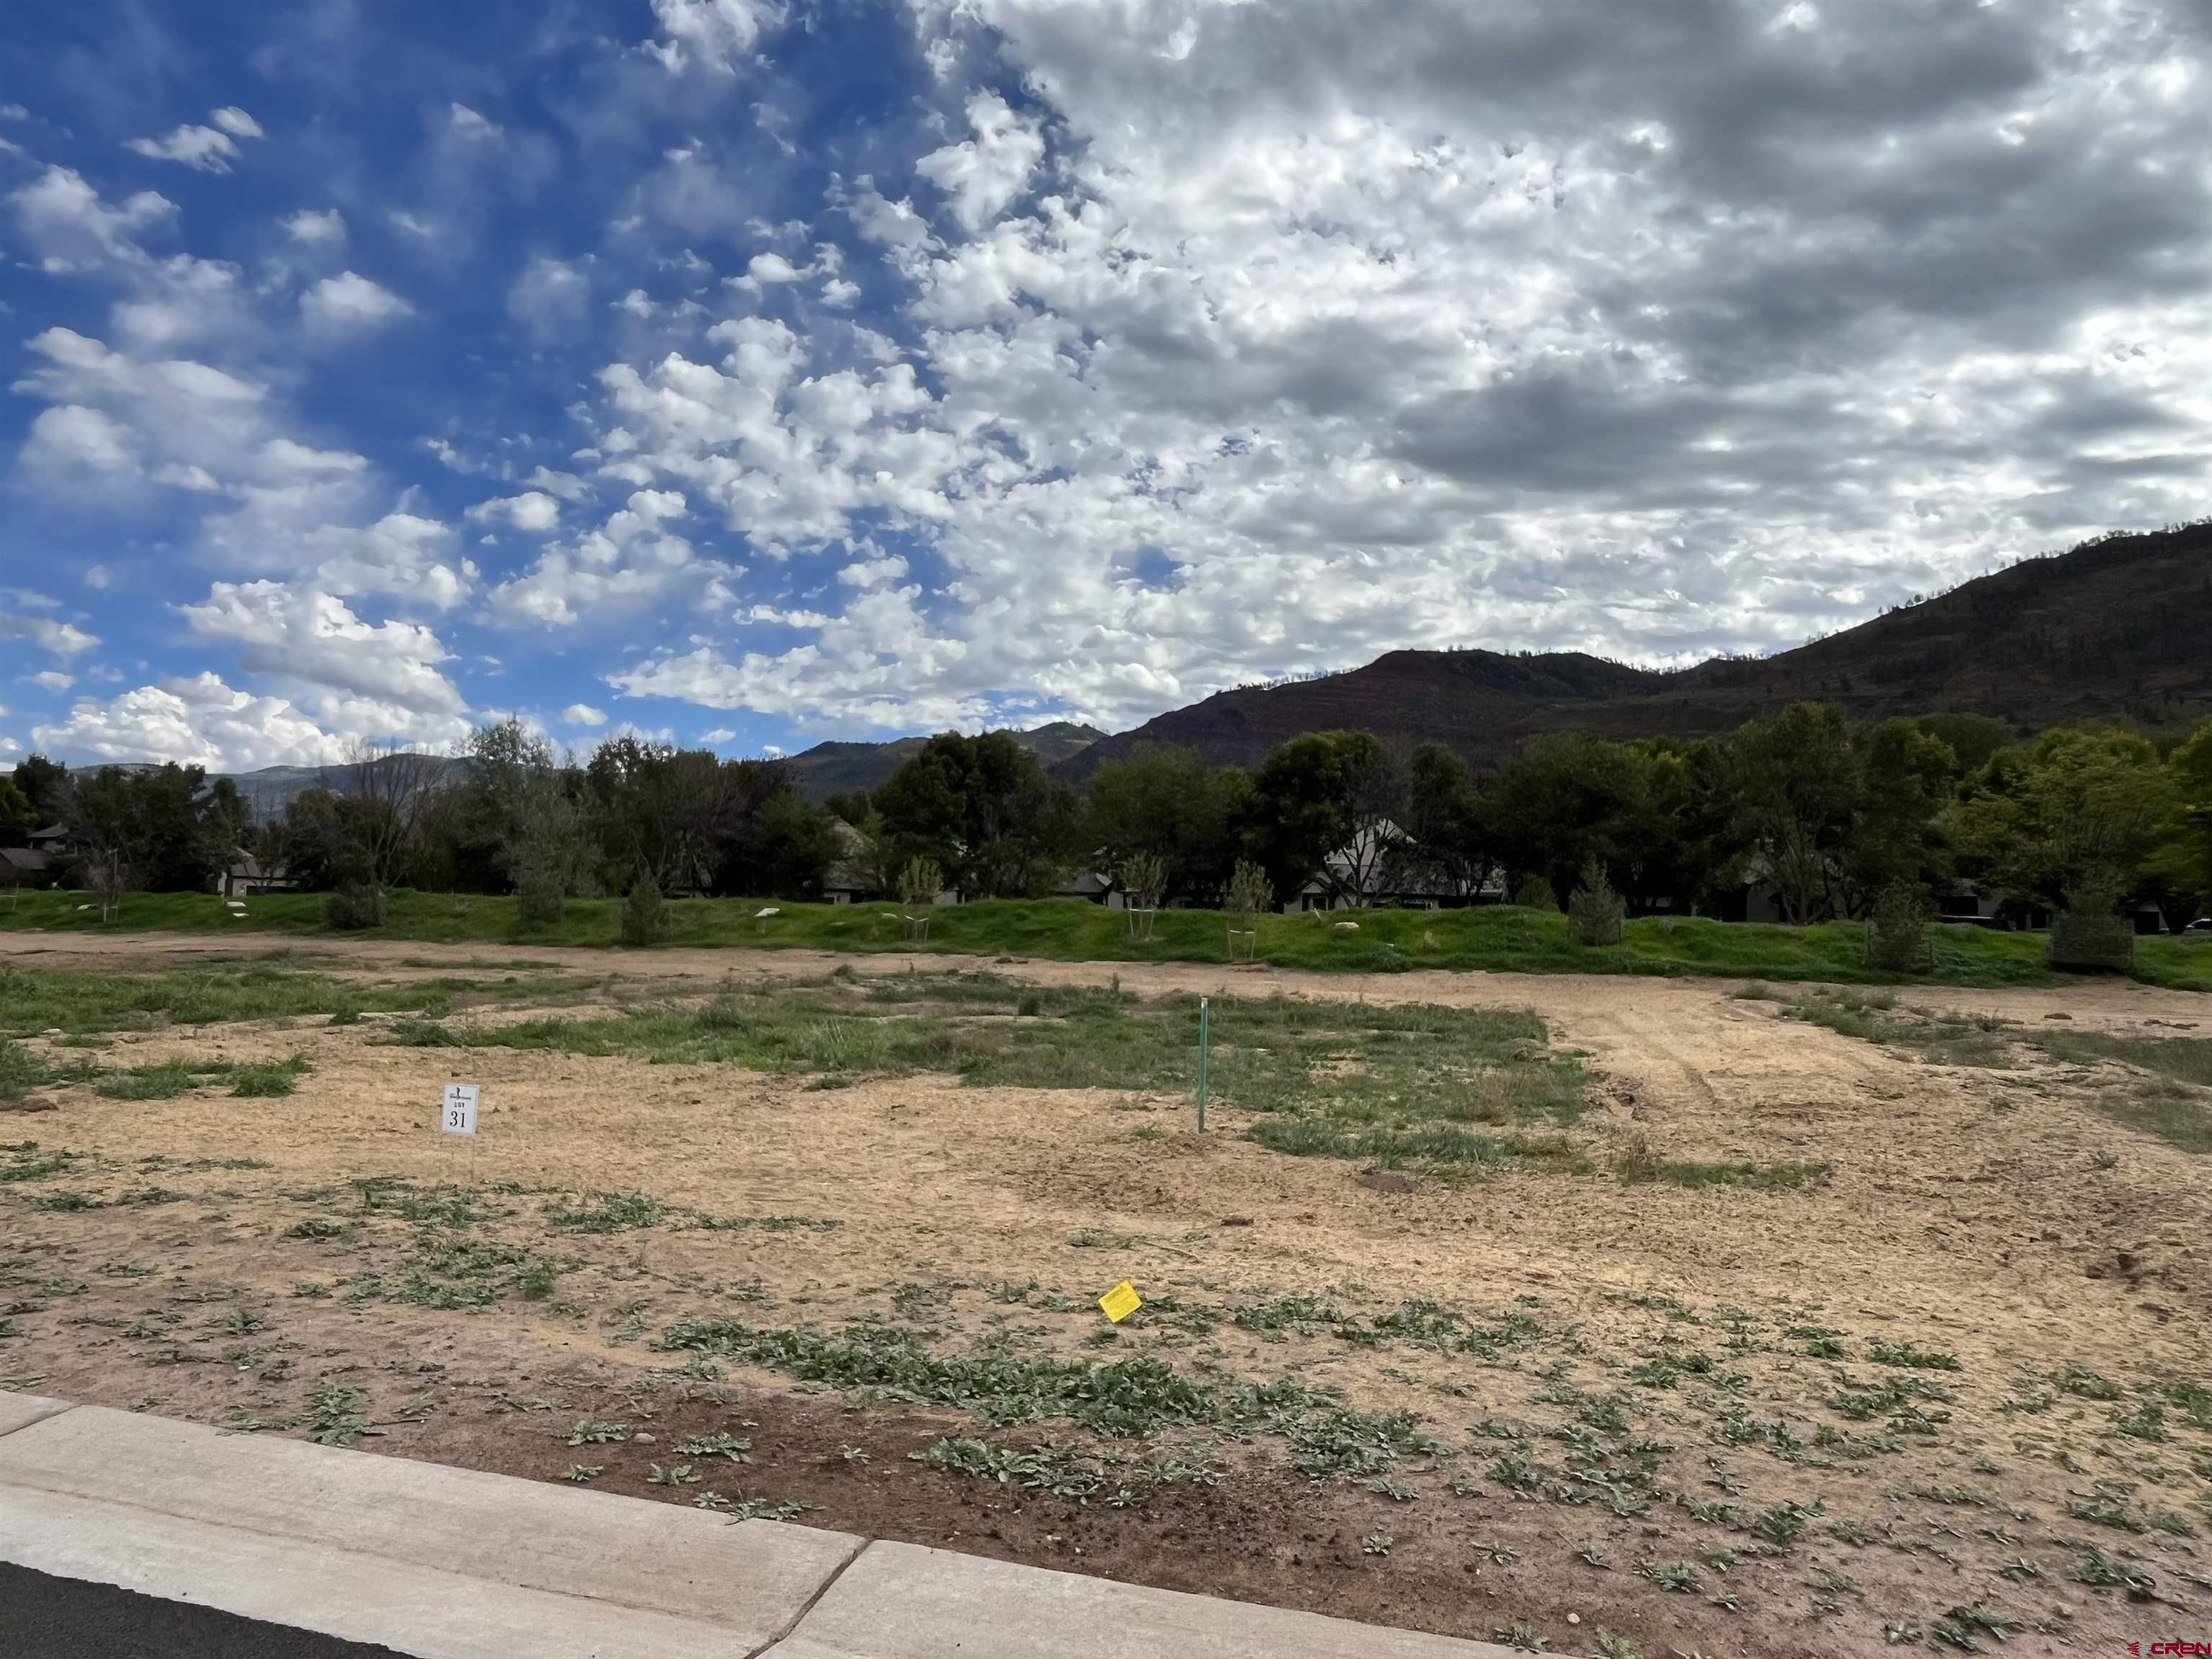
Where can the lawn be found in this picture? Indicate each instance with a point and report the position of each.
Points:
(1498, 939)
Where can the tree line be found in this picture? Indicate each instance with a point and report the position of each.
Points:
(1824, 813)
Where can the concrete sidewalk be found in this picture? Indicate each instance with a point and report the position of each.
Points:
(448, 1564)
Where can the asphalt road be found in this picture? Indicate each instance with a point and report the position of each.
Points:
(46, 1617)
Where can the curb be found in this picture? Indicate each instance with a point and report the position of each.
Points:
(451, 1564)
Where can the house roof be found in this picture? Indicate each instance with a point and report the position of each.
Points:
(28, 860)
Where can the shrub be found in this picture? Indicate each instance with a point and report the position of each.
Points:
(538, 900)
(2090, 935)
(1595, 913)
(1534, 893)
(1897, 929)
(644, 913)
(353, 905)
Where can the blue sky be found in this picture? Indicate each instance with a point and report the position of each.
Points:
(751, 373)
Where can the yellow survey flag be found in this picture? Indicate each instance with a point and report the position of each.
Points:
(1118, 1304)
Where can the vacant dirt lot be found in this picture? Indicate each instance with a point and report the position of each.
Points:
(1948, 1383)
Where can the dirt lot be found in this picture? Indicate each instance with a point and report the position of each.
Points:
(1954, 1386)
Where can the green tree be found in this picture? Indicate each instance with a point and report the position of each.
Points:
(1321, 794)
(660, 809)
(16, 825)
(1447, 822)
(1566, 799)
(1165, 802)
(985, 812)
(1796, 781)
(1908, 777)
(2072, 811)
(45, 784)
(2185, 859)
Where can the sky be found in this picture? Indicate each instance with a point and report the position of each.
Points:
(747, 373)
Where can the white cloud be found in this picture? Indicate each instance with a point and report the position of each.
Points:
(722, 734)
(62, 639)
(52, 679)
(312, 638)
(466, 123)
(714, 32)
(210, 148)
(351, 302)
(984, 174)
(64, 218)
(582, 714)
(196, 721)
(549, 297)
(70, 435)
(628, 562)
(316, 229)
(770, 268)
(533, 510)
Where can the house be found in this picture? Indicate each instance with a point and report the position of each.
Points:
(245, 877)
(26, 867)
(1380, 865)
(846, 882)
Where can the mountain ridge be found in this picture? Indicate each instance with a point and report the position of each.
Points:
(2116, 627)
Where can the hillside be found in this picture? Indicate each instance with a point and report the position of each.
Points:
(2117, 629)
(836, 769)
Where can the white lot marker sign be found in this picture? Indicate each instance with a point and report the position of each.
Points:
(459, 1115)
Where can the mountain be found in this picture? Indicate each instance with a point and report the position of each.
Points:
(836, 769)
(269, 790)
(2119, 628)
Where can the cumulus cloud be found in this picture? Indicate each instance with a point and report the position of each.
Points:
(533, 510)
(350, 303)
(316, 229)
(549, 297)
(66, 220)
(198, 720)
(984, 174)
(48, 633)
(582, 714)
(715, 33)
(209, 148)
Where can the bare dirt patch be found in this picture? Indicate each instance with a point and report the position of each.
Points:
(1958, 1377)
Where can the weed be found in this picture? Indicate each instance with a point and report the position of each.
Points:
(606, 1213)
(1520, 1636)
(1678, 1576)
(1611, 1645)
(590, 1433)
(577, 1473)
(334, 1418)
(1758, 1177)
(1904, 1353)
(26, 1162)
(1377, 1543)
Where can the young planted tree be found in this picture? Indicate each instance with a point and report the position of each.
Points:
(2088, 934)
(1250, 892)
(1596, 914)
(920, 881)
(645, 912)
(1144, 878)
(1897, 928)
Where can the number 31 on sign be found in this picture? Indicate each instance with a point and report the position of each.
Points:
(459, 1117)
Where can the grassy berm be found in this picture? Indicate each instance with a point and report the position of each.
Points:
(1501, 938)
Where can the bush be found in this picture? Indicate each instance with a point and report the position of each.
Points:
(2090, 935)
(1595, 913)
(1534, 893)
(1897, 929)
(644, 913)
(353, 905)
(538, 900)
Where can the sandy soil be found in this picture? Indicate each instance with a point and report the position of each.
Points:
(1993, 1215)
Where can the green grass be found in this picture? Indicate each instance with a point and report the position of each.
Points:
(1944, 1038)
(1395, 1084)
(1638, 1169)
(1502, 938)
(2172, 1104)
(38, 1000)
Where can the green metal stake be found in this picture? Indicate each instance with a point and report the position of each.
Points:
(1201, 1065)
